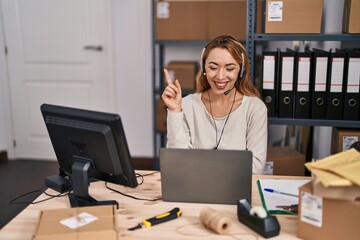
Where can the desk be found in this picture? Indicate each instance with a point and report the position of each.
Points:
(132, 211)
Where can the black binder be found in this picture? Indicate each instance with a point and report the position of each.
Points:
(318, 83)
(286, 84)
(335, 95)
(352, 88)
(302, 99)
(269, 82)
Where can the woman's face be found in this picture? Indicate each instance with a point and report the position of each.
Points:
(221, 70)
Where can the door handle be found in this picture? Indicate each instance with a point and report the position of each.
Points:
(95, 48)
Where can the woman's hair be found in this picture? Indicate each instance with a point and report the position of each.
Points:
(237, 51)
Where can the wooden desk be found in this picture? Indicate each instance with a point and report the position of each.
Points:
(132, 211)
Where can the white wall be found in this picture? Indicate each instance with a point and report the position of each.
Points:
(133, 72)
(133, 46)
(5, 113)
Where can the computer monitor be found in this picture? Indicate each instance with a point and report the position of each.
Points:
(88, 145)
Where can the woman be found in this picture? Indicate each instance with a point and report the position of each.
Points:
(226, 112)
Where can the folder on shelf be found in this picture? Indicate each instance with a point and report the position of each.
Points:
(335, 96)
(269, 83)
(286, 84)
(302, 86)
(352, 86)
(318, 83)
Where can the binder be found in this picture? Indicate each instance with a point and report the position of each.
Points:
(286, 84)
(335, 83)
(269, 84)
(302, 99)
(352, 88)
(318, 83)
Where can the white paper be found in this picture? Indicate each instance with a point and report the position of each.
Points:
(311, 209)
(163, 10)
(353, 84)
(269, 72)
(275, 11)
(287, 75)
(320, 74)
(337, 71)
(79, 220)
(271, 200)
(303, 74)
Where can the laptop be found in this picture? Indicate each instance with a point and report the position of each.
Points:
(205, 176)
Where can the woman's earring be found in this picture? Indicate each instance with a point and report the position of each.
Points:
(204, 73)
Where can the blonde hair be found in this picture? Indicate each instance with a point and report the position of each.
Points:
(236, 49)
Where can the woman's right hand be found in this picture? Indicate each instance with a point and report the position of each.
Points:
(172, 95)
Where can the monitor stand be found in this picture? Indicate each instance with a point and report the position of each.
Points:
(80, 181)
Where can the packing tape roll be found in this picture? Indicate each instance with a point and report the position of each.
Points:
(215, 221)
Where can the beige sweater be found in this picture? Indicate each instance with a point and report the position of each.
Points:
(246, 128)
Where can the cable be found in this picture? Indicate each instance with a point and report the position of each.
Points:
(13, 201)
(133, 197)
(142, 181)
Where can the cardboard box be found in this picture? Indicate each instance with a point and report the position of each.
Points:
(343, 138)
(90, 223)
(351, 16)
(284, 161)
(180, 20)
(203, 19)
(322, 218)
(161, 115)
(349, 193)
(226, 17)
(185, 71)
(293, 16)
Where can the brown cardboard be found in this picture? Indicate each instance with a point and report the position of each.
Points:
(185, 20)
(298, 16)
(286, 161)
(203, 19)
(350, 193)
(49, 226)
(185, 71)
(161, 115)
(351, 16)
(343, 138)
(226, 17)
(340, 219)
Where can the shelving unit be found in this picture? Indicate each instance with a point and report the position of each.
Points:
(253, 38)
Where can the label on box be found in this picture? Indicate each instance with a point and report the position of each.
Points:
(269, 168)
(311, 209)
(348, 141)
(79, 220)
(163, 10)
(275, 11)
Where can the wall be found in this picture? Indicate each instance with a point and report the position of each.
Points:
(133, 46)
(133, 72)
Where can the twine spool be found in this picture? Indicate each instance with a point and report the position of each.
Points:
(215, 221)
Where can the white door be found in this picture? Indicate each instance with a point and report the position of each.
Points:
(59, 52)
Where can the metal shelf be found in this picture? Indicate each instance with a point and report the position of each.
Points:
(306, 37)
(252, 38)
(315, 122)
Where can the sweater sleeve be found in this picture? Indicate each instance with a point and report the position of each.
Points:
(178, 134)
(257, 135)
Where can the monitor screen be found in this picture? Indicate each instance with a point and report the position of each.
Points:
(88, 145)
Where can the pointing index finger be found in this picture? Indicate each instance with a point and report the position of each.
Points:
(167, 76)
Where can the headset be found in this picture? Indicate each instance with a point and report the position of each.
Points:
(202, 67)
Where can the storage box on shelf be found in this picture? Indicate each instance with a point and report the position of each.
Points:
(293, 16)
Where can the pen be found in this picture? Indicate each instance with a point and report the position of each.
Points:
(276, 191)
(164, 217)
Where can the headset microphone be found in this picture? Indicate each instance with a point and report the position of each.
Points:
(228, 91)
